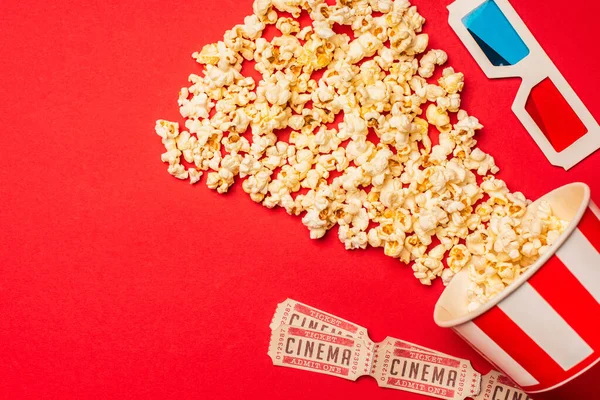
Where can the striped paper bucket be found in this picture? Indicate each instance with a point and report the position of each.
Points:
(543, 331)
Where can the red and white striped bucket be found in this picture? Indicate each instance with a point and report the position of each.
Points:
(544, 330)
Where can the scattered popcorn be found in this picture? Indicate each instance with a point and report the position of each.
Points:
(392, 189)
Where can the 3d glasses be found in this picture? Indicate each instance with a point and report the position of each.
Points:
(545, 104)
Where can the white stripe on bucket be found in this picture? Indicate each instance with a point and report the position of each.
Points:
(502, 359)
(528, 309)
(582, 259)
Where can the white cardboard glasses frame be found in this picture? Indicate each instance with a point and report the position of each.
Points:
(533, 68)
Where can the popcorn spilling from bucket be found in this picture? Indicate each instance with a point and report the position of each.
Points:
(502, 252)
(376, 172)
(544, 340)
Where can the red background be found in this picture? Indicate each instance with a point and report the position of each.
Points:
(119, 281)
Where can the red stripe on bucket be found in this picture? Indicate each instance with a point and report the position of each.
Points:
(512, 339)
(590, 227)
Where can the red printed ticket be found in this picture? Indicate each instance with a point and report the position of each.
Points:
(293, 313)
(495, 385)
(412, 368)
(317, 351)
(407, 345)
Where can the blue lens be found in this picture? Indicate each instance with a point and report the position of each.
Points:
(495, 35)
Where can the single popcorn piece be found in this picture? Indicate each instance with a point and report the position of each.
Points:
(194, 175)
(451, 81)
(438, 117)
(429, 61)
(438, 206)
(458, 258)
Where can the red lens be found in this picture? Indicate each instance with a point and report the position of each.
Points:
(554, 116)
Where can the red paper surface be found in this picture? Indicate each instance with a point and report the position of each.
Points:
(119, 281)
